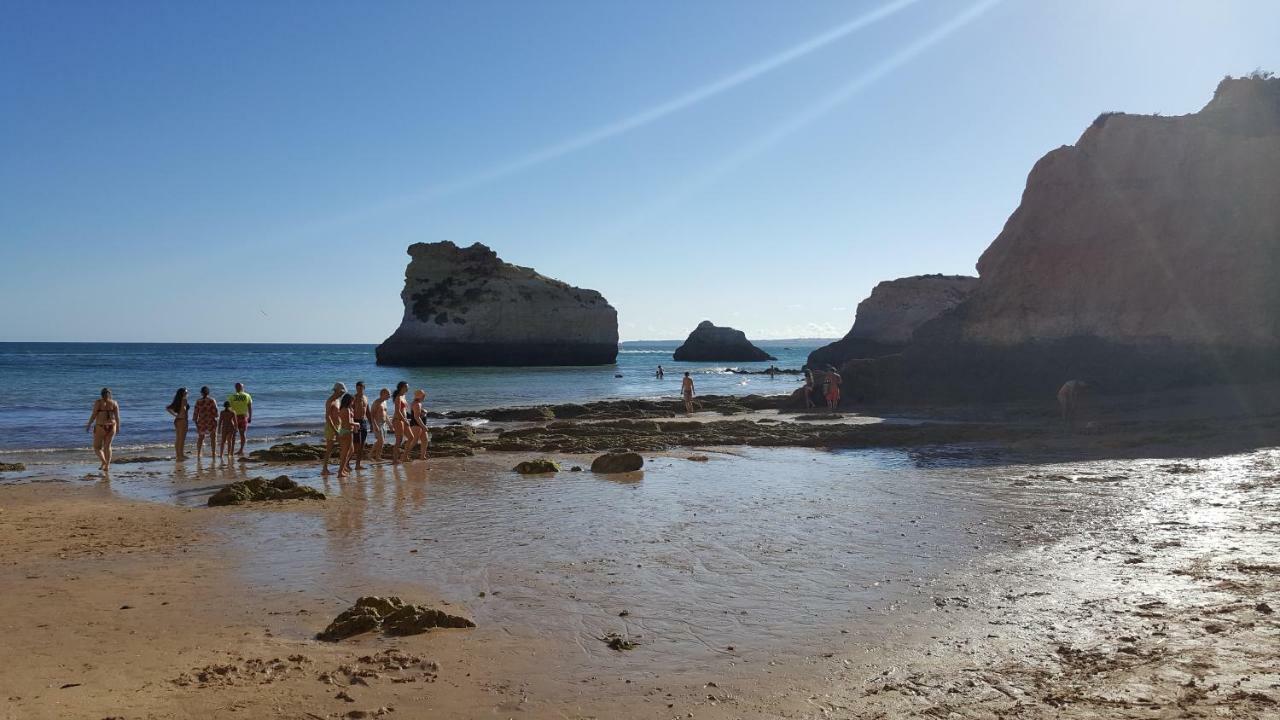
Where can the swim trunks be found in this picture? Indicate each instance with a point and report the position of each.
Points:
(363, 434)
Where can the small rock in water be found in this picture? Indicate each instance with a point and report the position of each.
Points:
(617, 462)
(12, 467)
(619, 643)
(537, 467)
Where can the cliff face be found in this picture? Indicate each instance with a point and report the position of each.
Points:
(709, 342)
(886, 319)
(1144, 256)
(465, 306)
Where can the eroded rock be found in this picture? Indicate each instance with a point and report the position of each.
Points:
(536, 467)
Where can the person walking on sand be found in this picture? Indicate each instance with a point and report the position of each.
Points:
(808, 389)
(227, 431)
(686, 390)
(206, 417)
(417, 424)
(242, 406)
(346, 435)
(833, 388)
(360, 412)
(105, 421)
(179, 409)
(378, 417)
(331, 407)
(399, 421)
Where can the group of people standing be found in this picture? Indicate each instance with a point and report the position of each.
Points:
(349, 418)
(221, 428)
(827, 386)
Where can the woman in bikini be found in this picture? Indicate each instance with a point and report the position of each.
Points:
(206, 417)
(418, 423)
(179, 409)
(400, 421)
(105, 421)
(346, 422)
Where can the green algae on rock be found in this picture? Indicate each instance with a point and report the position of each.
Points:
(391, 615)
(260, 489)
(535, 467)
(12, 467)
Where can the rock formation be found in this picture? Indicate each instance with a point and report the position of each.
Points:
(708, 343)
(465, 306)
(1145, 256)
(887, 319)
(260, 489)
(392, 616)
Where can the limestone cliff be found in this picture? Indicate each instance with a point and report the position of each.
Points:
(886, 319)
(709, 342)
(1147, 255)
(465, 306)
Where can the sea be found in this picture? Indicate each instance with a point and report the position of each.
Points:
(47, 389)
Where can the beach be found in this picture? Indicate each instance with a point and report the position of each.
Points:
(1019, 572)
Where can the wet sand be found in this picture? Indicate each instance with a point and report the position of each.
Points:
(991, 580)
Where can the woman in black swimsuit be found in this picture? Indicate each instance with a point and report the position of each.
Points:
(417, 424)
(179, 410)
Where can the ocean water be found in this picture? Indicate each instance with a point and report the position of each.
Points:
(48, 389)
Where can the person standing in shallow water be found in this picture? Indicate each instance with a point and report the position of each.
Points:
(105, 421)
(686, 390)
(206, 417)
(179, 409)
(417, 424)
(331, 423)
(242, 406)
(399, 421)
(227, 431)
(346, 435)
(360, 412)
(659, 373)
(378, 417)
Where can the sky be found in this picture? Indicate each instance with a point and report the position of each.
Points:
(253, 172)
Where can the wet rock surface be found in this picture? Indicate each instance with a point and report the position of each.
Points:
(537, 467)
(392, 616)
(12, 467)
(617, 462)
(262, 489)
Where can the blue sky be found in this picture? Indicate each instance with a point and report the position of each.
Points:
(254, 171)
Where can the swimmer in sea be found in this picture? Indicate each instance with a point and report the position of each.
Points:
(105, 421)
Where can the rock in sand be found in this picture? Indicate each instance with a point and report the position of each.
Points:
(617, 462)
(260, 489)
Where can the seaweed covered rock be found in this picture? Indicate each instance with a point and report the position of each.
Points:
(617, 462)
(536, 467)
(260, 489)
(465, 306)
(709, 342)
(12, 467)
(289, 452)
(392, 616)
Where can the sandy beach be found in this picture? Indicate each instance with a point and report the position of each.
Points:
(1113, 574)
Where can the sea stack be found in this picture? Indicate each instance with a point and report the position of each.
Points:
(465, 306)
(710, 343)
(1144, 257)
(886, 320)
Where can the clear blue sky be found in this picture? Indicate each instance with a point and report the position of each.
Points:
(254, 171)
